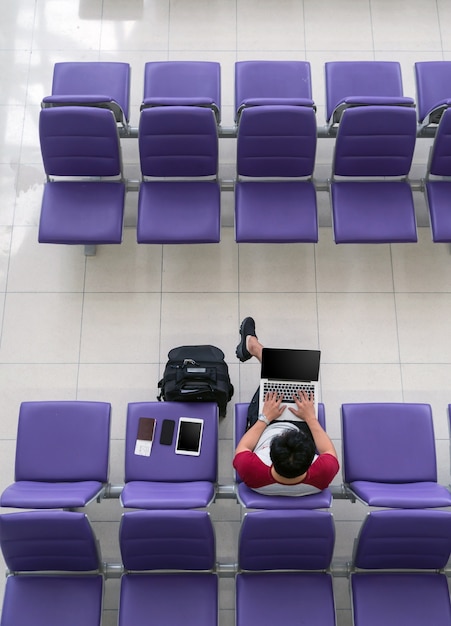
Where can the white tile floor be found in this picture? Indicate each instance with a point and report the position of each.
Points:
(99, 328)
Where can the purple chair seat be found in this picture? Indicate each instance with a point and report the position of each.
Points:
(433, 79)
(362, 80)
(276, 212)
(302, 102)
(355, 101)
(373, 212)
(392, 599)
(253, 500)
(416, 542)
(140, 494)
(285, 540)
(287, 596)
(183, 82)
(168, 540)
(62, 452)
(271, 82)
(35, 546)
(29, 494)
(189, 599)
(179, 212)
(406, 495)
(52, 601)
(194, 102)
(95, 82)
(166, 479)
(389, 455)
(82, 213)
(438, 194)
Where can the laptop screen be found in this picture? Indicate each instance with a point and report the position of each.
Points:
(287, 364)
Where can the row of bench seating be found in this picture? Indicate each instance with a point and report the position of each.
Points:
(275, 196)
(169, 573)
(62, 454)
(198, 83)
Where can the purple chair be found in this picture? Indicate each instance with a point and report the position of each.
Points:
(54, 568)
(438, 183)
(189, 83)
(168, 540)
(83, 200)
(93, 83)
(180, 145)
(397, 562)
(433, 85)
(276, 142)
(357, 83)
(389, 457)
(272, 83)
(251, 499)
(371, 200)
(62, 451)
(166, 480)
(300, 543)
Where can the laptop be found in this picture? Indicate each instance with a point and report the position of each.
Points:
(286, 371)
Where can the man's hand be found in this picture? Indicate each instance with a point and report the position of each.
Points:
(305, 406)
(273, 407)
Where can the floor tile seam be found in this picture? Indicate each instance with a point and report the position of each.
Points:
(82, 362)
(81, 329)
(197, 292)
(3, 304)
(439, 25)
(372, 27)
(162, 362)
(97, 292)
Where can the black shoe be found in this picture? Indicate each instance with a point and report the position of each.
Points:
(247, 328)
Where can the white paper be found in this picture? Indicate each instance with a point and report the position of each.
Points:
(142, 448)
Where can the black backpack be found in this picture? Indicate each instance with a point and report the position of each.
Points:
(196, 374)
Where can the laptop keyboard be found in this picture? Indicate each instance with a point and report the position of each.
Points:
(288, 389)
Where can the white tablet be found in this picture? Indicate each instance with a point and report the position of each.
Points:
(189, 436)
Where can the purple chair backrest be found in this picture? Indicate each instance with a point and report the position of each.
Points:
(388, 442)
(440, 163)
(79, 141)
(178, 141)
(152, 540)
(241, 422)
(164, 464)
(404, 539)
(276, 141)
(63, 441)
(361, 78)
(375, 141)
(433, 84)
(272, 80)
(48, 541)
(293, 540)
(183, 80)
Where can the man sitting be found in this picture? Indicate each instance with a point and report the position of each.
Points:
(277, 456)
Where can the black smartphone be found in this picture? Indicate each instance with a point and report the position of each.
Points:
(167, 432)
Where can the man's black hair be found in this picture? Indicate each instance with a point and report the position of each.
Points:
(292, 453)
